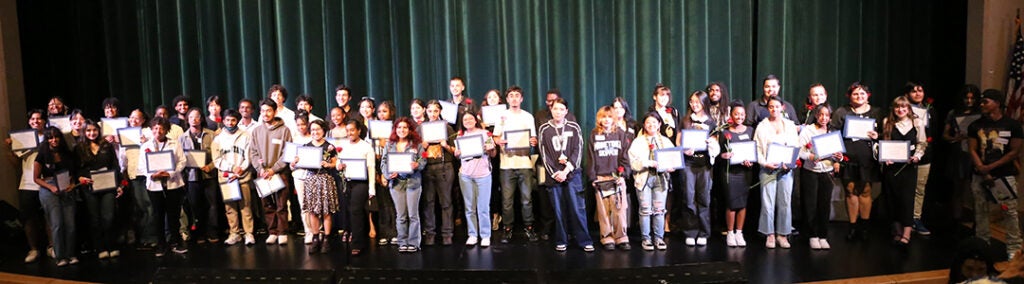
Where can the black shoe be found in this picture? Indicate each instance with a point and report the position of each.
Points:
(180, 248)
(325, 244)
(507, 237)
(429, 241)
(609, 246)
(315, 246)
(531, 234)
(159, 251)
(625, 246)
(852, 235)
(545, 237)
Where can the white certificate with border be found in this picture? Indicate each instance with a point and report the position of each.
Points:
(858, 127)
(309, 157)
(694, 139)
(231, 191)
(111, 125)
(827, 144)
(195, 158)
(449, 111)
(400, 162)
(289, 152)
(781, 154)
(355, 169)
(104, 180)
(492, 114)
(130, 136)
(897, 151)
(434, 131)
(63, 180)
(160, 161)
(266, 187)
(470, 146)
(61, 122)
(517, 139)
(26, 139)
(743, 151)
(669, 158)
(380, 129)
(922, 114)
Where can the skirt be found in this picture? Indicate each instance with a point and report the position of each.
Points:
(321, 196)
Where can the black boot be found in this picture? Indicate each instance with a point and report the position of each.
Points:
(852, 235)
(315, 246)
(863, 231)
(325, 245)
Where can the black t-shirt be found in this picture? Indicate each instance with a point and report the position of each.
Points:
(993, 138)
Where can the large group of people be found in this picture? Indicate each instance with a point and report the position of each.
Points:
(390, 179)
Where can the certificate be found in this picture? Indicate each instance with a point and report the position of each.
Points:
(289, 153)
(669, 158)
(160, 161)
(694, 139)
(434, 131)
(24, 140)
(309, 157)
(781, 154)
(827, 144)
(63, 180)
(745, 151)
(449, 111)
(922, 114)
(517, 139)
(195, 158)
(858, 127)
(104, 180)
(230, 191)
(61, 122)
(492, 114)
(380, 129)
(266, 187)
(896, 151)
(470, 146)
(111, 125)
(355, 169)
(400, 162)
(130, 136)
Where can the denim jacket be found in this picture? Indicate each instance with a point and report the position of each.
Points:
(413, 180)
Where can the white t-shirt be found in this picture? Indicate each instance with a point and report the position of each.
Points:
(518, 159)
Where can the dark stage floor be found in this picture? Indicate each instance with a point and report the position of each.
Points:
(758, 265)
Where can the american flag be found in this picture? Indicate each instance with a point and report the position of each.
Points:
(1014, 86)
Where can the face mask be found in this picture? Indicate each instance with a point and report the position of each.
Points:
(231, 129)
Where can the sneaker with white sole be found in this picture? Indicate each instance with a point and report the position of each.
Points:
(647, 245)
(730, 239)
(823, 244)
(485, 242)
(250, 239)
(702, 241)
(769, 242)
(308, 239)
(73, 260)
(103, 255)
(660, 244)
(115, 253)
(783, 242)
(471, 241)
(272, 239)
(560, 247)
(588, 248)
(282, 240)
(814, 243)
(62, 263)
(233, 239)
(691, 242)
(32, 256)
(740, 241)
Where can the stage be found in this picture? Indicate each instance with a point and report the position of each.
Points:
(520, 261)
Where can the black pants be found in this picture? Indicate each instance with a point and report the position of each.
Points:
(899, 191)
(359, 194)
(817, 201)
(166, 212)
(204, 203)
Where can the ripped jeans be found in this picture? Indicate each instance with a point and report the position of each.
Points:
(652, 202)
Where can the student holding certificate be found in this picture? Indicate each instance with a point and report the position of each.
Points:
(200, 181)
(669, 128)
(816, 177)
(517, 171)
(862, 168)
(697, 175)
(739, 177)
(302, 136)
(384, 206)
(561, 148)
(28, 190)
(995, 141)
(493, 98)
(128, 157)
(475, 182)
(359, 191)
(96, 154)
(230, 151)
(438, 177)
(405, 187)
(652, 186)
(609, 161)
(776, 220)
(55, 160)
(321, 194)
(165, 185)
(265, 151)
(899, 178)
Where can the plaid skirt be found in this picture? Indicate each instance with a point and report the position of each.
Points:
(321, 196)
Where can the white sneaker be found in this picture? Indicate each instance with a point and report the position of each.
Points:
(272, 239)
(308, 239)
(740, 241)
(702, 241)
(730, 239)
(471, 241)
(250, 239)
(485, 242)
(815, 244)
(823, 244)
(115, 253)
(691, 242)
(233, 239)
(32, 256)
(282, 240)
(103, 255)
(783, 242)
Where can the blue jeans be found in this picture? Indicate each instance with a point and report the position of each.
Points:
(570, 206)
(697, 195)
(652, 203)
(476, 193)
(776, 197)
(60, 214)
(144, 209)
(524, 179)
(101, 218)
(406, 195)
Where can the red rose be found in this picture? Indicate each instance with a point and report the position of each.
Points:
(193, 227)
(731, 121)
(809, 145)
(424, 154)
(124, 182)
(799, 163)
(218, 119)
(668, 110)
(621, 169)
(929, 100)
(810, 107)
(148, 150)
(846, 158)
(929, 140)
(1003, 206)
(728, 136)
(337, 149)
(460, 132)
(469, 101)
(225, 174)
(651, 146)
